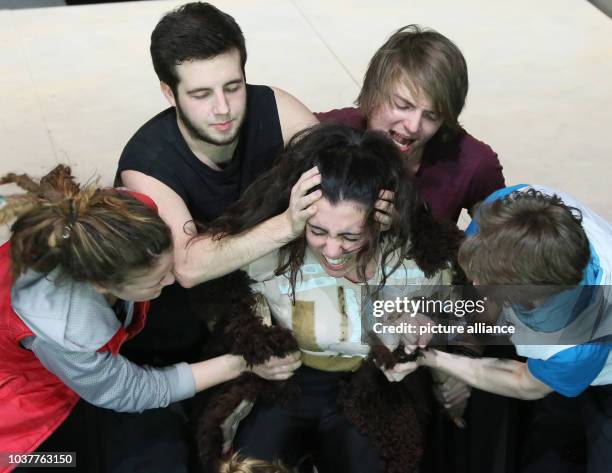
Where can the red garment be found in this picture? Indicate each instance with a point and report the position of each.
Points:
(33, 401)
(452, 176)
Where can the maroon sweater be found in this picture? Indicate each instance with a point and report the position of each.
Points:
(452, 176)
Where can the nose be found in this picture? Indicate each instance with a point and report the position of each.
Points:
(333, 248)
(221, 104)
(412, 122)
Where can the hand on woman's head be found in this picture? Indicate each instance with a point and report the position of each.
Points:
(384, 209)
(302, 204)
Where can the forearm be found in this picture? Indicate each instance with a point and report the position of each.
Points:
(206, 258)
(217, 370)
(494, 375)
(112, 381)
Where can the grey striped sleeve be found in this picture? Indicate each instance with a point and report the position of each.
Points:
(112, 381)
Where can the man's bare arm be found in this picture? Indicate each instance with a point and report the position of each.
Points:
(505, 377)
(294, 116)
(205, 258)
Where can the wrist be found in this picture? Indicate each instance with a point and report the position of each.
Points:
(431, 358)
(283, 230)
(236, 364)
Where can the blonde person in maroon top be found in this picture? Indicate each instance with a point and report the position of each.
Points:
(414, 90)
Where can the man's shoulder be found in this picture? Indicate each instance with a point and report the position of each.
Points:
(473, 149)
(350, 116)
(261, 101)
(155, 133)
(152, 142)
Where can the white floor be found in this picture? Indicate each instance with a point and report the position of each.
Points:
(76, 82)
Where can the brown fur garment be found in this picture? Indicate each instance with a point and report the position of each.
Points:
(228, 305)
(391, 414)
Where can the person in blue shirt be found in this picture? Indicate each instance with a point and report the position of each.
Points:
(535, 237)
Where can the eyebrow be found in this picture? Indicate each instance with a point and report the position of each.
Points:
(327, 231)
(208, 89)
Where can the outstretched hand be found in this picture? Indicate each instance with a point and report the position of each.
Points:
(301, 204)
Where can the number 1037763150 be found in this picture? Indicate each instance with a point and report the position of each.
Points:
(34, 459)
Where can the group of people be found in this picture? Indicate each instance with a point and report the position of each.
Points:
(100, 344)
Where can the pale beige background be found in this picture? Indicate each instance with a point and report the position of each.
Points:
(76, 82)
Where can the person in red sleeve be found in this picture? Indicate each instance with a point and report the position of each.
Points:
(75, 281)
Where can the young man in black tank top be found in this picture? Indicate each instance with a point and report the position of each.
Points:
(198, 156)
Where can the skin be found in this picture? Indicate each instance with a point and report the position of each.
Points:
(505, 377)
(142, 284)
(336, 233)
(410, 120)
(211, 104)
(147, 283)
(211, 99)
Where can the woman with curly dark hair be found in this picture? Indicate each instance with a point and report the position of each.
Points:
(313, 286)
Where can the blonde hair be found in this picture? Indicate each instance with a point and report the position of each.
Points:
(427, 63)
(236, 464)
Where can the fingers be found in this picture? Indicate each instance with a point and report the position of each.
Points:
(384, 209)
(384, 203)
(278, 369)
(456, 395)
(386, 195)
(424, 340)
(400, 371)
(307, 181)
(301, 202)
(281, 373)
(288, 359)
(409, 348)
(452, 392)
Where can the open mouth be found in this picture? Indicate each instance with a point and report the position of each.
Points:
(336, 263)
(403, 142)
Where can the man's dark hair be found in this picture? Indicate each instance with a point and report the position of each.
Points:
(193, 31)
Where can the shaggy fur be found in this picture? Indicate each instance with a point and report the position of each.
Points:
(391, 414)
(227, 304)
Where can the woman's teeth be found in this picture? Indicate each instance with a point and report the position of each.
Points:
(335, 261)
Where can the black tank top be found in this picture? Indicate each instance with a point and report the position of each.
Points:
(159, 150)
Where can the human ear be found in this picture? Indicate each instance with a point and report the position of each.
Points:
(167, 93)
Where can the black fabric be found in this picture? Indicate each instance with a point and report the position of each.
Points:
(159, 150)
(570, 435)
(155, 441)
(491, 441)
(173, 333)
(313, 425)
